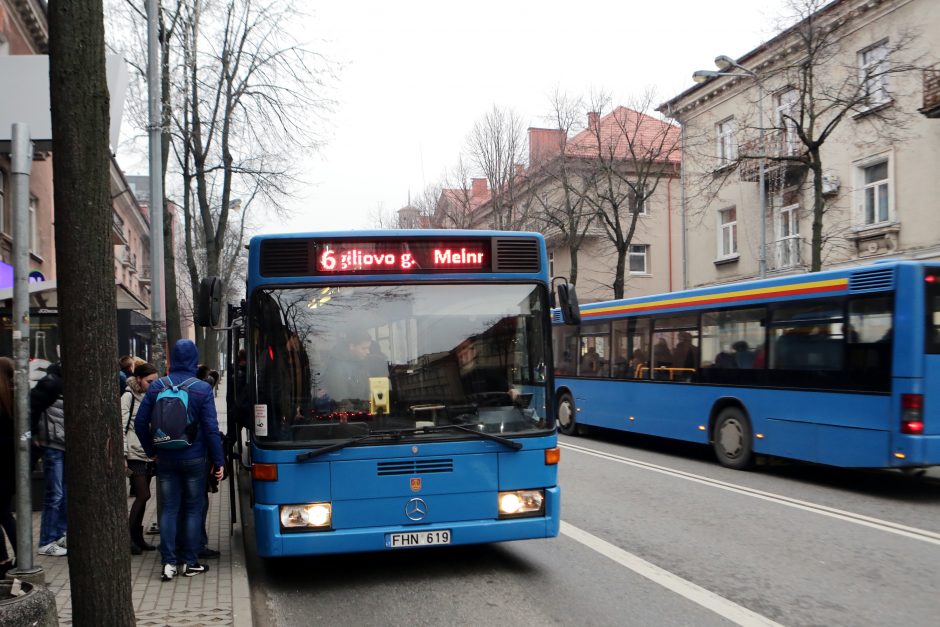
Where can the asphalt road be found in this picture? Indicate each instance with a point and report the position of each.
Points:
(654, 533)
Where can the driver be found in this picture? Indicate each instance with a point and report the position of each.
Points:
(349, 369)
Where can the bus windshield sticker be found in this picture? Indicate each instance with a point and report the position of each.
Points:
(261, 420)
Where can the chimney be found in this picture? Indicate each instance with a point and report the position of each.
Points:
(477, 187)
(544, 144)
(592, 121)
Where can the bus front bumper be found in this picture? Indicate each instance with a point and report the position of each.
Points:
(272, 542)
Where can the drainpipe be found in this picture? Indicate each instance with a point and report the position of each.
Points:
(669, 226)
(683, 208)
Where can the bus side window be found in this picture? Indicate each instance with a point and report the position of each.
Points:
(868, 336)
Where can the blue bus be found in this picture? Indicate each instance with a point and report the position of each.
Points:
(398, 389)
(832, 367)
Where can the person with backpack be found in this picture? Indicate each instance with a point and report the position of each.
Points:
(139, 465)
(47, 423)
(177, 425)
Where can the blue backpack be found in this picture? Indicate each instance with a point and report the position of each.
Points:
(171, 424)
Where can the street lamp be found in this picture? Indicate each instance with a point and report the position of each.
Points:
(724, 64)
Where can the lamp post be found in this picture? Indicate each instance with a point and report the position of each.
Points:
(725, 63)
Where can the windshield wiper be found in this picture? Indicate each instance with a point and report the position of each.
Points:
(483, 434)
(392, 435)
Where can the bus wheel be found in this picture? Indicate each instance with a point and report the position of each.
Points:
(566, 415)
(732, 440)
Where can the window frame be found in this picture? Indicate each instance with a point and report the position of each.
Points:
(3, 207)
(645, 255)
(870, 85)
(786, 242)
(726, 146)
(731, 225)
(35, 241)
(786, 101)
(862, 187)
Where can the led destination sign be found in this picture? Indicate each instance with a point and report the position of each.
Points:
(397, 256)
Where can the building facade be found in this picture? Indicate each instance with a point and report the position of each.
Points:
(852, 159)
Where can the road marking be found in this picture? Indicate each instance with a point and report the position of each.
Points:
(913, 533)
(709, 600)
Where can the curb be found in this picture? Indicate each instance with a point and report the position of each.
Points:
(241, 592)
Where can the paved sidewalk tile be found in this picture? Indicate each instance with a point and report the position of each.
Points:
(217, 597)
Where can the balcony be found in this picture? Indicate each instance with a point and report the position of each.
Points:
(778, 143)
(117, 229)
(931, 107)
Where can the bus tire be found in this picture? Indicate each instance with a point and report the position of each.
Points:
(732, 439)
(567, 423)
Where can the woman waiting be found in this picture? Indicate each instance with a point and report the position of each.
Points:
(139, 466)
(7, 464)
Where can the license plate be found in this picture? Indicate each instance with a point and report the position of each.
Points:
(417, 538)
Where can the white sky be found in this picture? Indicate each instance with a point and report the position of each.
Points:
(413, 77)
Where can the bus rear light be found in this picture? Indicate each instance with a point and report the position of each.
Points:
(552, 456)
(912, 412)
(264, 472)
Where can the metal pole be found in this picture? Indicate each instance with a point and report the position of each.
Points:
(762, 256)
(682, 203)
(22, 163)
(157, 313)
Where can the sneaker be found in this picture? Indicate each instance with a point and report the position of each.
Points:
(194, 569)
(62, 542)
(169, 571)
(208, 554)
(53, 549)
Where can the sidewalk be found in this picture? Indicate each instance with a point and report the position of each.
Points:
(217, 597)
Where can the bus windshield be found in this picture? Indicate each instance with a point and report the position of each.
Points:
(337, 362)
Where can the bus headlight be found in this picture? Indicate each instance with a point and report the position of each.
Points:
(306, 516)
(517, 503)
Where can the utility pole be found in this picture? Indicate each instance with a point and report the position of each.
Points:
(22, 163)
(157, 311)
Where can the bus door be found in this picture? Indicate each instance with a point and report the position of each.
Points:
(931, 400)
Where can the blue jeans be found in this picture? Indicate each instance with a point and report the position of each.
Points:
(182, 485)
(52, 525)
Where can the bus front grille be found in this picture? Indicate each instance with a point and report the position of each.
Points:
(286, 257)
(872, 280)
(516, 255)
(415, 467)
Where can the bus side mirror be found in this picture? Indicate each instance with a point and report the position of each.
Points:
(568, 303)
(209, 308)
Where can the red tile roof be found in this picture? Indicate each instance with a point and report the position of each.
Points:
(618, 128)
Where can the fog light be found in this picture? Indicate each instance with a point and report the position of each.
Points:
(521, 503)
(306, 516)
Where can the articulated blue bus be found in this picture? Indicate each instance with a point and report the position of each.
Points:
(399, 388)
(834, 367)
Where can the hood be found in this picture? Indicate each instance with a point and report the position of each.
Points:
(185, 357)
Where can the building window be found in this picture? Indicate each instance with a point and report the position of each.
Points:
(876, 197)
(787, 114)
(33, 227)
(551, 263)
(637, 202)
(872, 65)
(639, 259)
(727, 232)
(727, 147)
(788, 236)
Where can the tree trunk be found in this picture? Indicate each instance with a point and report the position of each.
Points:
(573, 251)
(174, 329)
(99, 563)
(819, 208)
(621, 270)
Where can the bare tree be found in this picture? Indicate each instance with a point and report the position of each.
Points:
(97, 510)
(496, 147)
(248, 93)
(453, 206)
(558, 185)
(818, 86)
(630, 153)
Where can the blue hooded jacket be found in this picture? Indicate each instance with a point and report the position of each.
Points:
(208, 443)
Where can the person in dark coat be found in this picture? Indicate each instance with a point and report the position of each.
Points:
(182, 473)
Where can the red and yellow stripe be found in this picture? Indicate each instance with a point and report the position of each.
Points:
(810, 287)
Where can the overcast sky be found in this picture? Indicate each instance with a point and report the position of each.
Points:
(413, 77)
